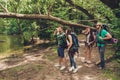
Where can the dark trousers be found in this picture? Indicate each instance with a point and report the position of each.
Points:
(71, 54)
(101, 52)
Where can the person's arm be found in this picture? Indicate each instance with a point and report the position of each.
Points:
(70, 41)
(56, 31)
(108, 36)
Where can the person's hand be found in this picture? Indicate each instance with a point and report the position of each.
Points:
(67, 49)
(57, 29)
(83, 31)
(101, 38)
(89, 43)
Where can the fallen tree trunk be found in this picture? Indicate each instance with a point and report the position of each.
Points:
(41, 16)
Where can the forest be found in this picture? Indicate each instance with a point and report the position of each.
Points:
(39, 19)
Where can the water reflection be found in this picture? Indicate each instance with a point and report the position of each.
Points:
(8, 43)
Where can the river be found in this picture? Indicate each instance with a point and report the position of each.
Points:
(9, 43)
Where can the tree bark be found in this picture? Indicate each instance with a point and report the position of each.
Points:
(81, 9)
(113, 4)
(40, 16)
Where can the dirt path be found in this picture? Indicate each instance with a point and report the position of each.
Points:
(39, 65)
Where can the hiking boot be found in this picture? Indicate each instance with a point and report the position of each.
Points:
(57, 65)
(75, 70)
(71, 68)
(62, 67)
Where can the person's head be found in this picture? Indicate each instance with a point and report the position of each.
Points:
(99, 25)
(88, 29)
(68, 31)
(60, 28)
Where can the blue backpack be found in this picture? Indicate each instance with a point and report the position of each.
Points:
(75, 40)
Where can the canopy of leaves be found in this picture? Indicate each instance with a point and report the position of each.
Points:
(58, 8)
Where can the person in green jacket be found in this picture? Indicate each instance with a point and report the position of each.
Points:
(101, 36)
(62, 43)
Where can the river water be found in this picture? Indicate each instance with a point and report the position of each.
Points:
(10, 43)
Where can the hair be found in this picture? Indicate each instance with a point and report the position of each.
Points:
(99, 23)
(68, 31)
(60, 26)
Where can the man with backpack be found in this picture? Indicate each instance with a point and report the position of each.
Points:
(101, 36)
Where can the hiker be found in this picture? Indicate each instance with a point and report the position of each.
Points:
(72, 49)
(89, 42)
(102, 35)
(61, 39)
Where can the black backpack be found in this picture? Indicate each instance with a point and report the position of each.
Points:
(113, 39)
(75, 40)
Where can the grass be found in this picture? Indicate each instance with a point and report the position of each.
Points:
(113, 73)
(21, 71)
(113, 67)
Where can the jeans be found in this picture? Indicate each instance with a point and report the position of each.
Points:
(101, 52)
(72, 60)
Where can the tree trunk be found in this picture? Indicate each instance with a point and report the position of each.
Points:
(40, 16)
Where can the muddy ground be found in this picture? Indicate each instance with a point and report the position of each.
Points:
(38, 64)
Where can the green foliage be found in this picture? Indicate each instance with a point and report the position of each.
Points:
(57, 8)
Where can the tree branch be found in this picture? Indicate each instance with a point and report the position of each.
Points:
(113, 4)
(50, 8)
(80, 8)
(40, 16)
(5, 10)
(91, 20)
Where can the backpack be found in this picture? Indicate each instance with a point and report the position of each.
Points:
(113, 39)
(75, 40)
